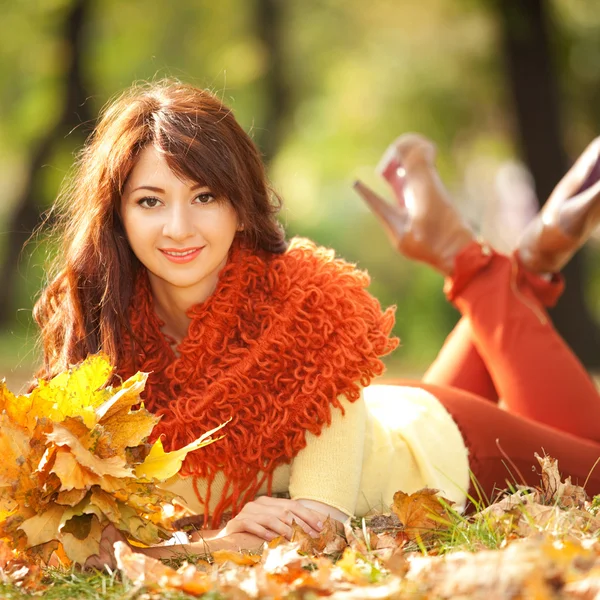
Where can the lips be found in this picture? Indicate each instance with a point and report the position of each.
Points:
(182, 255)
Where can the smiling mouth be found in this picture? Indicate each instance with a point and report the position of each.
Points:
(181, 256)
(180, 253)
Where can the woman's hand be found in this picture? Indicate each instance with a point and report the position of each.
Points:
(268, 518)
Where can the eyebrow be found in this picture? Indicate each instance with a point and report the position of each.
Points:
(160, 190)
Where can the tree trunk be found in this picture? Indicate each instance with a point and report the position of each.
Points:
(277, 98)
(534, 86)
(29, 207)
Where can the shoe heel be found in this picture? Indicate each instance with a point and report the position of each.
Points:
(591, 179)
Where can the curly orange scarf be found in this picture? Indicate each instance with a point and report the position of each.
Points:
(280, 339)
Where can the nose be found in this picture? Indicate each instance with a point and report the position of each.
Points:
(179, 224)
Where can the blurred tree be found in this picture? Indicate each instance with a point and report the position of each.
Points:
(533, 80)
(73, 112)
(277, 103)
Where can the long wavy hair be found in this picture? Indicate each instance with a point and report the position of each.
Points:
(84, 307)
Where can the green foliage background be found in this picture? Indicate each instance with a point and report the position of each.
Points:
(358, 74)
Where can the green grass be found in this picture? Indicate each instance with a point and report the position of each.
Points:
(72, 585)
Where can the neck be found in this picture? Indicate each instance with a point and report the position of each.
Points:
(171, 306)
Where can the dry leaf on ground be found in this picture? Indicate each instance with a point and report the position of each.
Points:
(421, 513)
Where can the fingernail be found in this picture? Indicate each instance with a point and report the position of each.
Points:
(320, 525)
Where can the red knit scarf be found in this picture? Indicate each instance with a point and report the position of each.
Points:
(272, 349)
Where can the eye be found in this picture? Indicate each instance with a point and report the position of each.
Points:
(204, 198)
(148, 202)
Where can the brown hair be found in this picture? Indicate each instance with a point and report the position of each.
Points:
(84, 308)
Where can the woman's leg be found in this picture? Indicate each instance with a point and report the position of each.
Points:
(459, 365)
(532, 368)
(502, 445)
(534, 371)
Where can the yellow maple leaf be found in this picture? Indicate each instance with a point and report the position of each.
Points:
(160, 465)
(71, 498)
(12, 405)
(131, 431)
(71, 474)
(353, 567)
(107, 504)
(43, 527)
(421, 513)
(122, 398)
(115, 465)
(82, 540)
(14, 450)
(142, 530)
(69, 453)
(73, 393)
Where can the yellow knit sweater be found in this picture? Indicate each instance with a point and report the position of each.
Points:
(393, 438)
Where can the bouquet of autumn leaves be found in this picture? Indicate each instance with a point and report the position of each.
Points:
(74, 458)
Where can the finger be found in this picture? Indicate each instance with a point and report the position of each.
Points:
(307, 528)
(310, 517)
(257, 529)
(393, 218)
(280, 520)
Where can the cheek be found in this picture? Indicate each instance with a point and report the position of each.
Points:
(136, 232)
(223, 222)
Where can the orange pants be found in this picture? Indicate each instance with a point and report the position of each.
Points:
(505, 346)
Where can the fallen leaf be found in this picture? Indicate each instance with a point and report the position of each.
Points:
(237, 558)
(146, 571)
(356, 539)
(421, 513)
(554, 490)
(356, 568)
(303, 541)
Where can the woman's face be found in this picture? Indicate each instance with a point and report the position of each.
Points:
(177, 229)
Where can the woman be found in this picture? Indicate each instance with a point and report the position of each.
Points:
(173, 263)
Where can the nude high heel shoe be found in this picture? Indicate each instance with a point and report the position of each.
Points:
(423, 225)
(567, 218)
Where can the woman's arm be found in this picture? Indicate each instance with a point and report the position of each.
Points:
(326, 474)
(324, 481)
(210, 542)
